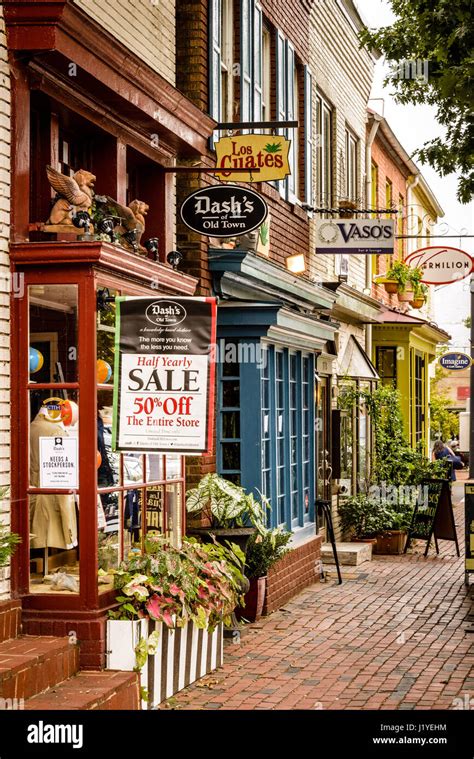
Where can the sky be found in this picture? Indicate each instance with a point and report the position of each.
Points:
(414, 125)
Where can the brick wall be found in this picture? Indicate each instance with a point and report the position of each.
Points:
(388, 169)
(342, 74)
(294, 572)
(147, 27)
(4, 290)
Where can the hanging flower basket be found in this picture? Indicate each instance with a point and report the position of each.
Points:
(406, 295)
(417, 303)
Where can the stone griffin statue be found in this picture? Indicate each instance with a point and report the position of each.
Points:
(73, 194)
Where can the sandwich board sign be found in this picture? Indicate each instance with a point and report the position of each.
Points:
(469, 522)
(433, 515)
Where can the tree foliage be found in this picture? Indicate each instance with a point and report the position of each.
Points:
(437, 34)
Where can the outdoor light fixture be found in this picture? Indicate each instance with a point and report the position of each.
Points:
(152, 246)
(174, 258)
(103, 299)
(131, 238)
(296, 263)
(106, 227)
(81, 220)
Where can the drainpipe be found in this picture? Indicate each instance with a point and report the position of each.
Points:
(412, 182)
(376, 119)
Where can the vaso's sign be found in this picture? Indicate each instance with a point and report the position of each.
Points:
(455, 361)
(265, 152)
(357, 236)
(224, 211)
(441, 265)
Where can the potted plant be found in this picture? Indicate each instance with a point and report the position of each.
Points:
(391, 539)
(361, 517)
(8, 540)
(263, 551)
(172, 606)
(420, 293)
(399, 272)
(230, 512)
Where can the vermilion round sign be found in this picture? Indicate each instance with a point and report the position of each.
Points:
(441, 265)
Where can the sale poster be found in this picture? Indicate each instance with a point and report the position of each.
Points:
(164, 374)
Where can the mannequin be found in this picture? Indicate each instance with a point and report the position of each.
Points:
(53, 521)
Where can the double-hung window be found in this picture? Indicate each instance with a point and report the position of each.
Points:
(254, 63)
(221, 90)
(351, 166)
(325, 152)
(287, 99)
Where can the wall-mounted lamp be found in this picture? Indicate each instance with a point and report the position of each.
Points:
(152, 246)
(81, 220)
(106, 227)
(174, 258)
(296, 263)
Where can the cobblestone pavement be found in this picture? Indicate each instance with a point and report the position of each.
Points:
(393, 637)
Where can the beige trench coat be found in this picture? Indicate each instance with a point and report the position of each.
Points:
(52, 517)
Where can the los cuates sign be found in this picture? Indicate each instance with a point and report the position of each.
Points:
(265, 152)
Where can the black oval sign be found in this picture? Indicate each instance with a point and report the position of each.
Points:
(224, 211)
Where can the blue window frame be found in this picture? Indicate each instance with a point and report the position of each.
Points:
(266, 431)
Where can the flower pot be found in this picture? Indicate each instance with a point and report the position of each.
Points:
(184, 655)
(391, 286)
(405, 296)
(254, 600)
(417, 303)
(364, 540)
(390, 542)
(238, 535)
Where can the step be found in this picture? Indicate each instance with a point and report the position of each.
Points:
(106, 690)
(10, 620)
(350, 554)
(31, 664)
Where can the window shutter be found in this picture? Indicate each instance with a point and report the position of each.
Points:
(215, 60)
(308, 136)
(257, 63)
(246, 16)
(281, 91)
(291, 134)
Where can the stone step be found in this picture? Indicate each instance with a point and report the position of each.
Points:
(106, 690)
(31, 664)
(350, 554)
(10, 620)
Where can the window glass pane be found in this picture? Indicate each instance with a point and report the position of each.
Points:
(154, 499)
(54, 562)
(174, 467)
(230, 424)
(231, 456)
(108, 471)
(154, 467)
(53, 333)
(230, 393)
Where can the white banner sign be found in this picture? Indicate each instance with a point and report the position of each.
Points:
(356, 236)
(441, 265)
(59, 462)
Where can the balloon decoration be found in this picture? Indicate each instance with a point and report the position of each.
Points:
(69, 413)
(99, 459)
(36, 360)
(104, 371)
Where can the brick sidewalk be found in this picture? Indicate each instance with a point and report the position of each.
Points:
(394, 637)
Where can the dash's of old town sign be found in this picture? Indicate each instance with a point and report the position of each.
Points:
(441, 265)
(224, 211)
(266, 152)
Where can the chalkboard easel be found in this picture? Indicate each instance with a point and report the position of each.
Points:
(433, 515)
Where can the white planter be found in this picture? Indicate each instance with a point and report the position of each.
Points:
(184, 655)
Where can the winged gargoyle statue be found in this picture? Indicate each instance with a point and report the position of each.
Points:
(132, 220)
(73, 194)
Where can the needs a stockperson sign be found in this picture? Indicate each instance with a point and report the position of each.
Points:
(164, 374)
(356, 236)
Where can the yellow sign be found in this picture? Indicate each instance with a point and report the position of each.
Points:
(266, 152)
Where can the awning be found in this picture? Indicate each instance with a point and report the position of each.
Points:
(355, 362)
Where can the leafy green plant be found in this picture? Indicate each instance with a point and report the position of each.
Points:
(8, 540)
(362, 516)
(273, 147)
(225, 505)
(263, 551)
(198, 582)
